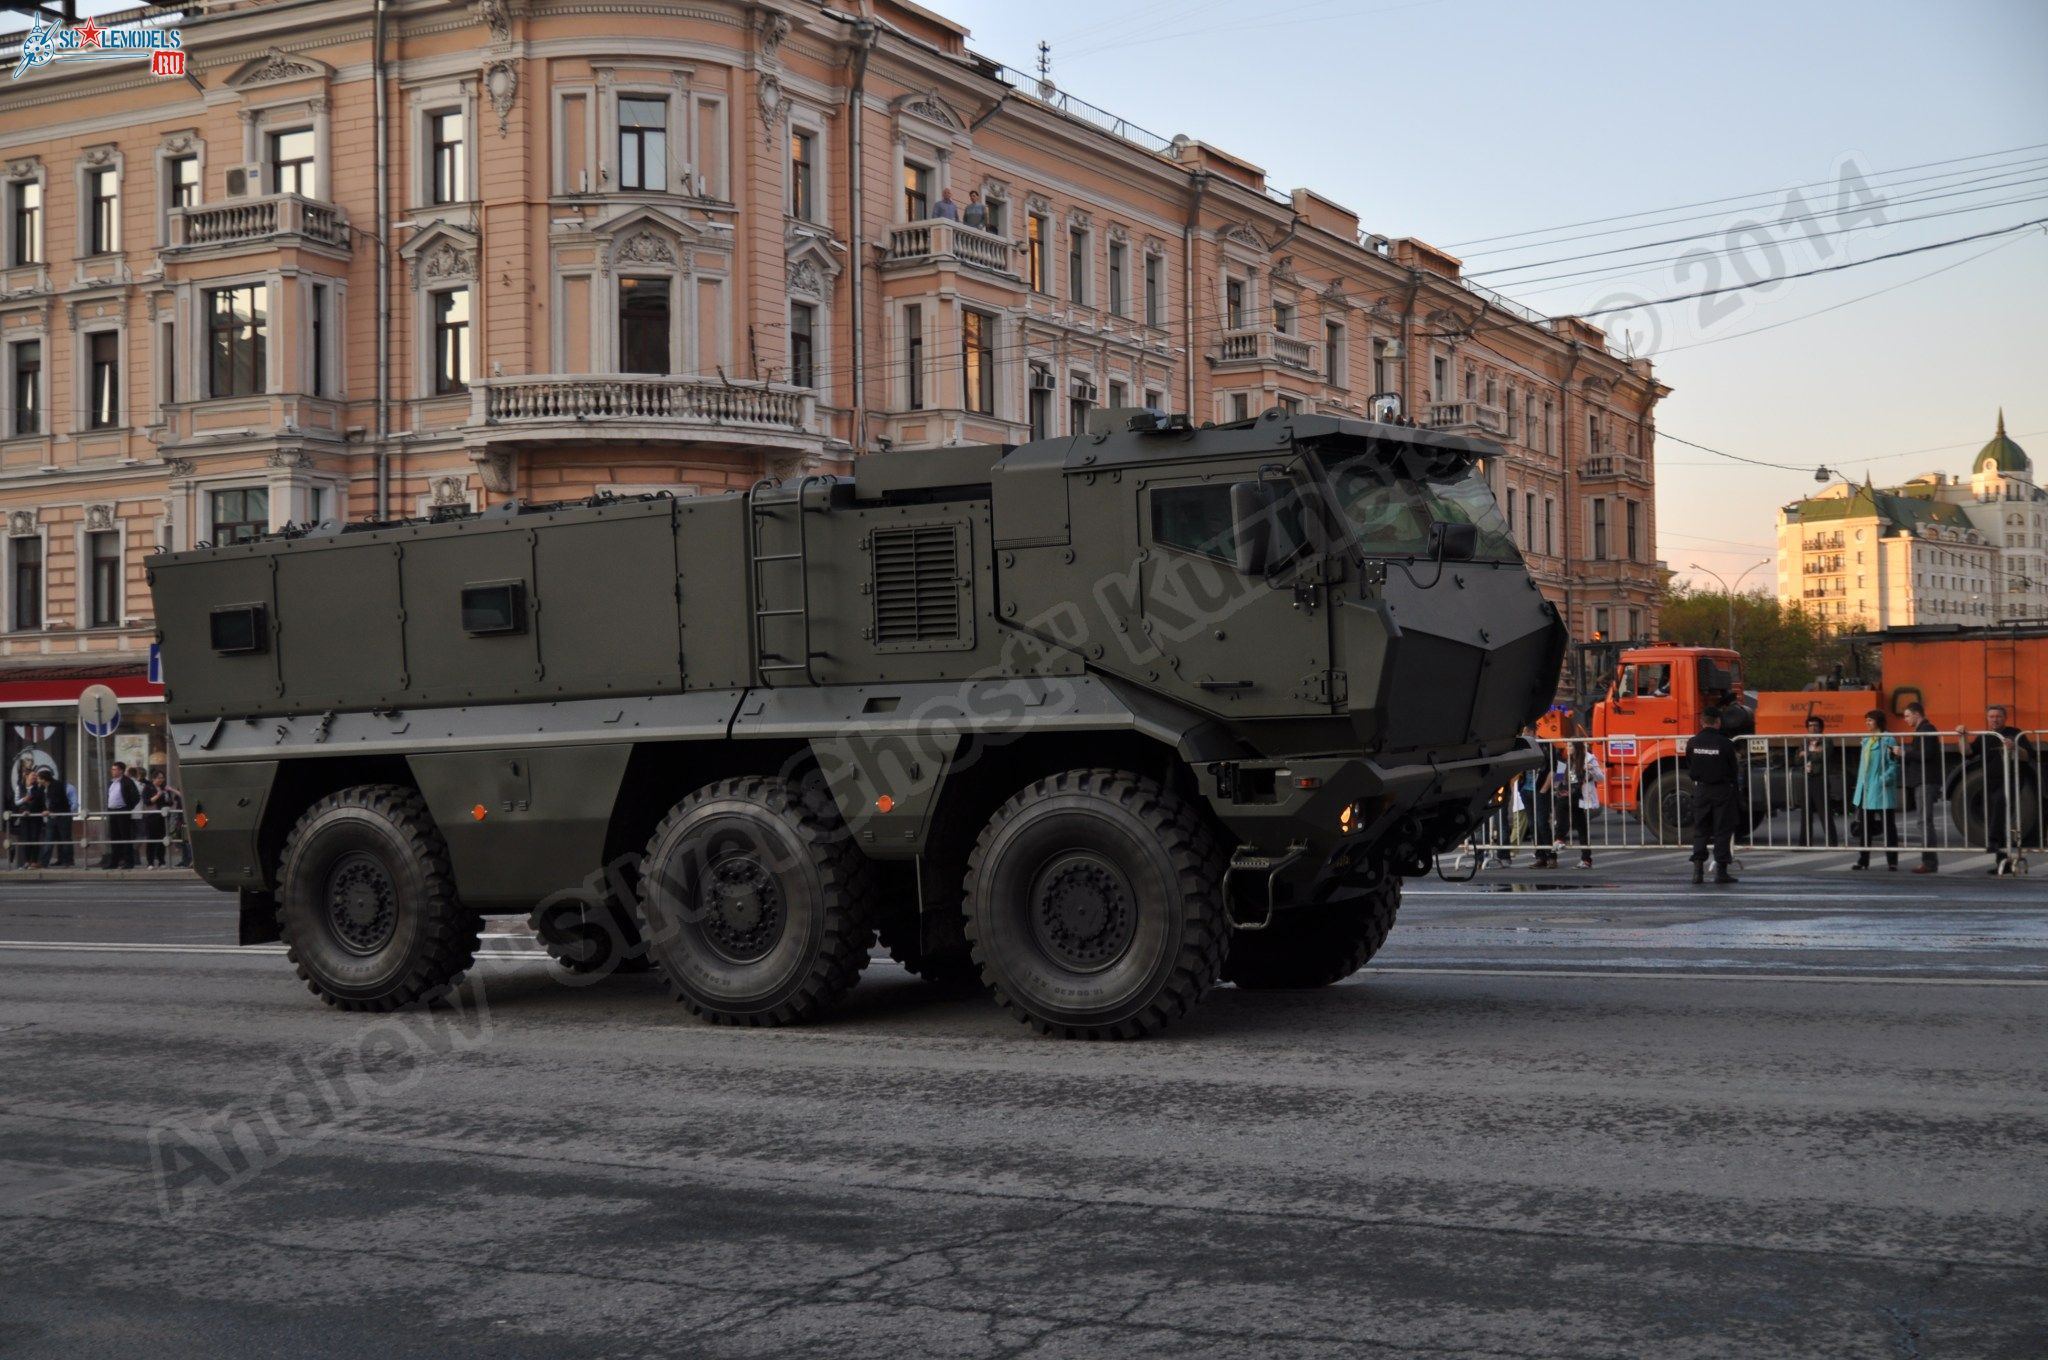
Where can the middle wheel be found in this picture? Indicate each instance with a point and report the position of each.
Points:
(754, 903)
(1093, 905)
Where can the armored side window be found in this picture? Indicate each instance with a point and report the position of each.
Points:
(238, 628)
(493, 608)
(1194, 519)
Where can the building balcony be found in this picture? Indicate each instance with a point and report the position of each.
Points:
(640, 406)
(1468, 417)
(1263, 347)
(1612, 467)
(941, 240)
(275, 219)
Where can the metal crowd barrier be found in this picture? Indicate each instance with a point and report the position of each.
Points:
(1912, 796)
(73, 844)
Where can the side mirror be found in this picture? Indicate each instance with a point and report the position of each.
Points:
(1453, 542)
(1252, 507)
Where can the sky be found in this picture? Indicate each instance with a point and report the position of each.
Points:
(1459, 120)
(1488, 127)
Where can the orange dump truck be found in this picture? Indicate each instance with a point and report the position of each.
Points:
(1653, 700)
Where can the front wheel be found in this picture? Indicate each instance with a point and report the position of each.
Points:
(755, 904)
(367, 906)
(1315, 946)
(1093, 905)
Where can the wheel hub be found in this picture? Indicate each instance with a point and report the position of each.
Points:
(742, 908)
(362, 903)
(1083, 912)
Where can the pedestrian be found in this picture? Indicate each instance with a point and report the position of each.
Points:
(173, 803)
(19, 785)
(946, 207)
(1926, 778)
(976, 215)
(59, 802)
(124, 797)
(1876, 795)
(29, 825)
(1543, 814)
(1817, 800)
(152, 821)
(1714, 764)
(1582, 777)
(1989, 754)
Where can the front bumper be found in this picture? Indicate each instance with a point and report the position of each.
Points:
(1402, 812)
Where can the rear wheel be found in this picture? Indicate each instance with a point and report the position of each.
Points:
(755, 905)
(367, 906)
(1315, 946)
(1094, 906)
(1659, 805)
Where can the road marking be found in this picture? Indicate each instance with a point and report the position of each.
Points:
(1688, 975)
(137, 947)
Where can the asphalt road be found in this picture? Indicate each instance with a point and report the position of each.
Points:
(1802, 1116)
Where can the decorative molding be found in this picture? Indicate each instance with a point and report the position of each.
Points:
(451, 490)
(775, 107)
(98, 156)
(180, 467)
(289, 458)
(1119, 233)
(99, 518)
(276, 67)
(772, 27)
(501, 83)
(803, 278)
(643, 247)
(932, 108)
(1038, 203)
(1154, 246)
(178, 143)
(494, 469)
(1079, 219)
(25, 167)
(1244, 233)
(21, 523)
(493, 15)
(442, 262)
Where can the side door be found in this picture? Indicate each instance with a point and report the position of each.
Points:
(1234, 644)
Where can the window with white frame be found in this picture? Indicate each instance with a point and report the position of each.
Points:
(646, 310)
(1234, 295)
(1039, 403)
(1336, 354)
(1439, 378)
(237, 514)
(803, 357)
(1035, 272)
(803, 174)
(237, 340)
(452, 353)
(1283, 317)
(24, 222)
(1155, 289)
(1119, 284)
(181, 181)
(1079, 272)
(319, 338)
(25, 387)
(978, 362)
(447, 156)
(643, 142)
(1155, 399)
(292, 162)
(102, 210)
(913, 356)
(1081, 396)
(25, 582)
(102, 380)
(1240, 406)
(103, 562)
(1119, 394)
(917, 191)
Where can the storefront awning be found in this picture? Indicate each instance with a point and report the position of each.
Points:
(62, 682)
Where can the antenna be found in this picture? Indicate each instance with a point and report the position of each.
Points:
(1045, 85)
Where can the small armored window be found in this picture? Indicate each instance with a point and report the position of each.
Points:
(238, 628)
(1194, 519)
(496, 607)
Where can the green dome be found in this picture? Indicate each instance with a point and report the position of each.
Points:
(2001, 454)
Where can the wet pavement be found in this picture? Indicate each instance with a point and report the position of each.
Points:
(1574, 1113)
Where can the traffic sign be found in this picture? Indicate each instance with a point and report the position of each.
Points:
(99, 711)
(156, 663)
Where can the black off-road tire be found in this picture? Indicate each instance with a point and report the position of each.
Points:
(1315, 946)
(794, 903)
(589, 935)
(1094, 905)
(367, 907)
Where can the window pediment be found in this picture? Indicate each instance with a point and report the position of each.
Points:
(277, 67)
(443, 253)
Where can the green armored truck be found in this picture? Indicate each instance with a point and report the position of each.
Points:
(1093, 721)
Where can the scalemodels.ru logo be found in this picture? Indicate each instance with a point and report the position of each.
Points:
(50, 42)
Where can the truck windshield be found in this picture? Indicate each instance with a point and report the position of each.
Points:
(1389, 515)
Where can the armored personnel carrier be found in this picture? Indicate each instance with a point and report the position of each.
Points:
(1093, 721)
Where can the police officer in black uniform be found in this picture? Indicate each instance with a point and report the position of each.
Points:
(1714, 763)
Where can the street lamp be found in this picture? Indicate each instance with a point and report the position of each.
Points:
(1729, 591)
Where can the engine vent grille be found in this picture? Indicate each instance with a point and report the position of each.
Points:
(917, 585)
